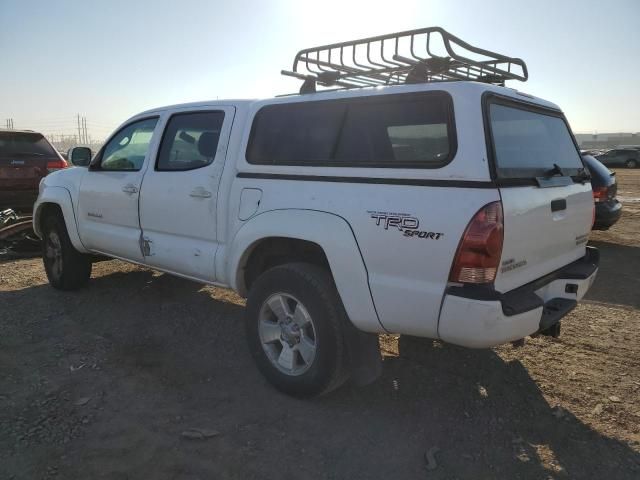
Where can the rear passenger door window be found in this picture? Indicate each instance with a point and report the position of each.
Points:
(190, 141)
(392, 131)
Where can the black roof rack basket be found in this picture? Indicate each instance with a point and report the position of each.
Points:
(402, 58)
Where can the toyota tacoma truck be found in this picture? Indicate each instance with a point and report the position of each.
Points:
(404, 189)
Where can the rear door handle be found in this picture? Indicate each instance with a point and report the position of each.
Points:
(557, 205)
(200, 192)
(130, 188)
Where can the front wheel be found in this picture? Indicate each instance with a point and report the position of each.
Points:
(294, 323)
(631, 163)
(67, 269)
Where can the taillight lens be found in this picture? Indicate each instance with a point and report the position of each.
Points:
(480, 249)
(600, 194)
(53, 165)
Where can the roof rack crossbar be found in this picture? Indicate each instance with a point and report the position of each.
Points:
(404, 57)
(341, 71)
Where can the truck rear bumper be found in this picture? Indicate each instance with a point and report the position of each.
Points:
(607, 214)
(481, 317)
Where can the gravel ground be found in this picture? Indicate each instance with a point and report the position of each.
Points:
(142, 375)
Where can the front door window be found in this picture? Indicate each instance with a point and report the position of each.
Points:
(127, 149)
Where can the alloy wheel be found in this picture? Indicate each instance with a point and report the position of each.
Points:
(53, 253)
(287, 334)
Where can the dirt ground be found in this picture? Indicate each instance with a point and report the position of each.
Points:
(102, 383)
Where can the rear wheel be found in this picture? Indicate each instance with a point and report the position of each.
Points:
(631, 163)
(294, 322)
(67, 269)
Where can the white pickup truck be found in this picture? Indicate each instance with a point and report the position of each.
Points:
(440, 204)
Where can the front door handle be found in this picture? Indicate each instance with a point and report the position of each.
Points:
(130, 188)
(200, 192)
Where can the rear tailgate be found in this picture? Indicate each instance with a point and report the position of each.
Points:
(24, 156)
(22, 172)
(547, 201)
(537, 239)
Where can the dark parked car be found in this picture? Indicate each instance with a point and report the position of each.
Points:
(621, 157)
(604, 186)
(25, 157)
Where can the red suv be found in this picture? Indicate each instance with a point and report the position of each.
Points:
(25, 157)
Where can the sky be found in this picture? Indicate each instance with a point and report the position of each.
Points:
(108, 60)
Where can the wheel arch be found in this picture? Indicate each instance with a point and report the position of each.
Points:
(269, 252)
(57, 199)
(317, 237)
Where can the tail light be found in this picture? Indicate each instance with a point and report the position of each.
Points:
(53, 165)
(480, 249)
(600, 194)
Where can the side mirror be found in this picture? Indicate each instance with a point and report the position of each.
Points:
(80, 156)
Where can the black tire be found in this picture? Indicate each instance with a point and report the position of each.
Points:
(314, 288)
(67, 269)
(631, 163)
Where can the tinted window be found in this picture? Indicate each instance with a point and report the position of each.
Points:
(527, 143)
(190, 141)
(296, 133)
(413, 142)
(386, 131)
(128, 148)
(24, 144)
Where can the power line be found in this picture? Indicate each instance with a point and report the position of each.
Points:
(66, 132)
(68, 125)
(83, 133)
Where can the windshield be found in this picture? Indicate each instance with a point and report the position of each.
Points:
(530, 144)
(24, 144)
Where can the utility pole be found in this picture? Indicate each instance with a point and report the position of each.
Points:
(84, 128)
(79, 135)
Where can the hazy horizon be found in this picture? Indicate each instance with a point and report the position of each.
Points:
(108, 61)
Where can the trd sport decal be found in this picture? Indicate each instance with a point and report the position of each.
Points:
(403, 222)
(511, 264)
